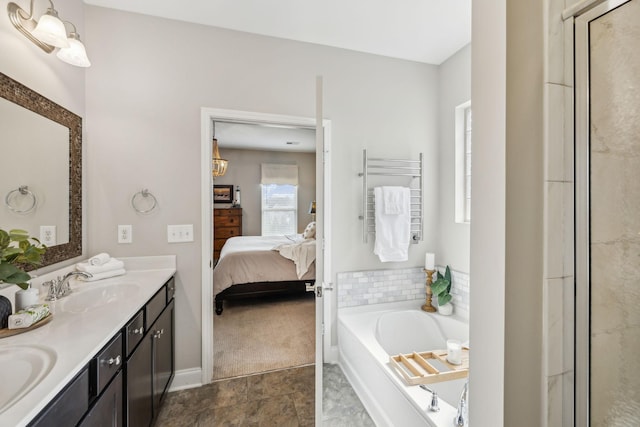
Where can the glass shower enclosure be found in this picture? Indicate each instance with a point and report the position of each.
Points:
(607, 206)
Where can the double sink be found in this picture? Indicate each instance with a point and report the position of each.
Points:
(24, 365)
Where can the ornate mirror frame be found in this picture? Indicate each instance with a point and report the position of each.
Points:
(21, 95)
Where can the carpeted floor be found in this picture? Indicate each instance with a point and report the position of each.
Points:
(254, 336)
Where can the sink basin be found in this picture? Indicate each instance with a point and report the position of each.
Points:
(21, 368)
(93, 298)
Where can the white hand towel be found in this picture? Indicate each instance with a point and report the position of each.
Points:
(395, 202)
(99, 259)
(113, 264)
(105, 275)
(392, 231)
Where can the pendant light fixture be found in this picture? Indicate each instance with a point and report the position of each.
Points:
(219, 165)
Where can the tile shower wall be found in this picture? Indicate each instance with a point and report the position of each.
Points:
(382, 286)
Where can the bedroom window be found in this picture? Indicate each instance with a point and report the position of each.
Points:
(279, 199)
(463, 163)
(279, 209)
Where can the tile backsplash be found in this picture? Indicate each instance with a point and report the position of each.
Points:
(382, 286)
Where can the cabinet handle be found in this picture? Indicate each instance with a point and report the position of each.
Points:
(138, 331)
(115, 361)
(158, 334)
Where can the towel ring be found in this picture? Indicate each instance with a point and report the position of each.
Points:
(145, 194)
(24, 191)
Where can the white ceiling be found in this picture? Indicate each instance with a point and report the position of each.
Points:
(426, 31)
(246, 136)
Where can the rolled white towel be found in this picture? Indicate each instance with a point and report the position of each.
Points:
(100, 259)
(113, 264)
(104, 275)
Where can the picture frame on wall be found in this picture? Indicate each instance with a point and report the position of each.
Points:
(223, 194)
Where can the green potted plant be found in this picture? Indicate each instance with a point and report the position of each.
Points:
(441, 288)
(18, 251)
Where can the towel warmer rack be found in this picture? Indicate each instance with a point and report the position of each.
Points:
(392, 168)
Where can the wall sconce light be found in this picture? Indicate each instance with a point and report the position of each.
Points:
(49, 32)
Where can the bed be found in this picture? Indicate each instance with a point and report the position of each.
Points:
(251, 266)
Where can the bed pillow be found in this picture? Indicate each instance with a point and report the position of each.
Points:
(310, 231)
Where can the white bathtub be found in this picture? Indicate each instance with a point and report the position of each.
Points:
(368, 335)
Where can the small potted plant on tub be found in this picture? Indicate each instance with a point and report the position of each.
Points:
(441, 288)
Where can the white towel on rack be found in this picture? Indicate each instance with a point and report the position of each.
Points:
(395, 200)
(393, 232)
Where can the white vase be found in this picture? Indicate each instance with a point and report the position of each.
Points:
(446, 309)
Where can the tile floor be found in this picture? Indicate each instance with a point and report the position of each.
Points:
(280, 398)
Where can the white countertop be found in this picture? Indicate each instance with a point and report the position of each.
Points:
(77, 336)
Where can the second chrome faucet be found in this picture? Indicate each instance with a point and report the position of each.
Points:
(59, 287)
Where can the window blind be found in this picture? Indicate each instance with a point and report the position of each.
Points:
(279, 174)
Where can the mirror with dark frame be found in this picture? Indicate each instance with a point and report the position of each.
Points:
(41, 176)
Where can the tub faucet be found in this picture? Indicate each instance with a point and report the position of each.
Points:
(59, 287)
(433, 407)
(460, 419)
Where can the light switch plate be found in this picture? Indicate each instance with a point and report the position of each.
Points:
(125, 234)
(48, 235)
(180, 233)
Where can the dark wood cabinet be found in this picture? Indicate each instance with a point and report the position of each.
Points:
(139, 411)
(108, 409)
(151, 366)
(70, 405)
(226, 223)
(162, 355)
(125, 383)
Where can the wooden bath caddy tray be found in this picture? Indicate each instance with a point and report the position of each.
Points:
(416, 368)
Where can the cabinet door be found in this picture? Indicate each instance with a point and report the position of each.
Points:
(70, 405)
(108, 409)
(163, 354)
(139, 391)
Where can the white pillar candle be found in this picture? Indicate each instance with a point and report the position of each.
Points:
(454, 352)
(430, 261)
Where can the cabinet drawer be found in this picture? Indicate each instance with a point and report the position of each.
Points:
(133, 332)
(70, 405)
(219, 213)
(155, 306)
(226, 232)
(230, 221)
(106, 364)
(171, 289)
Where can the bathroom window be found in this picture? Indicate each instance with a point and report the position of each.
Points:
(279, 209)
(463, 123)
(279, 199)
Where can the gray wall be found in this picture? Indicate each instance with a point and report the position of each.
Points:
(455, 89)
(244, 170)
(148, 82)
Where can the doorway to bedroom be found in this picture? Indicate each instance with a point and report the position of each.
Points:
(296, 316)
(263, 258)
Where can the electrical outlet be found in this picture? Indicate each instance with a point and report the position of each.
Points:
(180, 233)
(48, 235)
(125, 234)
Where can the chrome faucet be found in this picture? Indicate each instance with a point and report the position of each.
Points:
(59, 287)
(460, 419)
(433, 407)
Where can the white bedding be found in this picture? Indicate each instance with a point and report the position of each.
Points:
(251, 259)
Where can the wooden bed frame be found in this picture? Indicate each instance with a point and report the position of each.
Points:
(259, 289)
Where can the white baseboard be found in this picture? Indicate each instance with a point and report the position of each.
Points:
(186, 378)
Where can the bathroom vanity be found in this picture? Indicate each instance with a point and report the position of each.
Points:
(107, 355)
